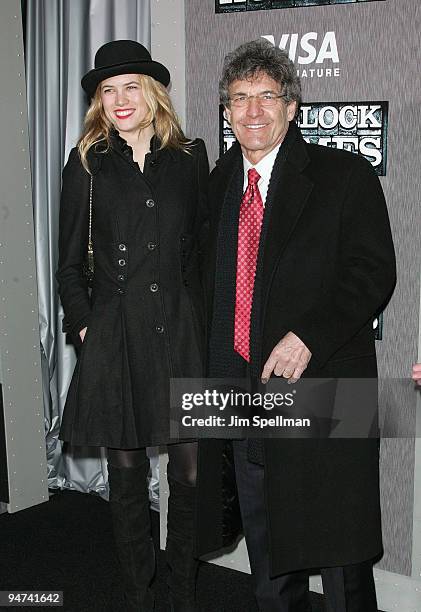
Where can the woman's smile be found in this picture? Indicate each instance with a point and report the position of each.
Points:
(124, 113)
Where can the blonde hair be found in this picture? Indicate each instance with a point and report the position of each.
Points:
(160, 113)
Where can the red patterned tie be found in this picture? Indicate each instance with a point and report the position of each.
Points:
(249, 226)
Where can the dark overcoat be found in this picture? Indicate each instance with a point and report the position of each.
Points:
(145, 315)
(328, 269)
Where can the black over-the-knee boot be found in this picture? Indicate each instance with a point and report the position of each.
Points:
(129, 505)
(179, 552)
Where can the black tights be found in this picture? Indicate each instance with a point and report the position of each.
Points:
(182, 461)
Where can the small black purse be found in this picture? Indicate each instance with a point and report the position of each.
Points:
(88, 264)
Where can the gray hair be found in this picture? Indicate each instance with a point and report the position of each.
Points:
(251, 58)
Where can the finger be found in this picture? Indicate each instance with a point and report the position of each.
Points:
(296, 375)
(279, 369)
(268, 368)
(290, 365)
(282, 364)
(302, 363)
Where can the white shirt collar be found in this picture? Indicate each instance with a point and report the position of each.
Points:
(264, 167)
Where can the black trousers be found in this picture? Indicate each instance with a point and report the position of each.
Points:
(347, 589)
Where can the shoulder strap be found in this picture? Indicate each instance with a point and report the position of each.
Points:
(90, 245)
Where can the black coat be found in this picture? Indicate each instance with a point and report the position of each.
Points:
(145, 315)
(328, 269)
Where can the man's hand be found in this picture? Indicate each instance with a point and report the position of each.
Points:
(82, 333)
(416, 373)
(289, 359)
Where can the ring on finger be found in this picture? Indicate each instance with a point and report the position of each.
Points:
(287, 374)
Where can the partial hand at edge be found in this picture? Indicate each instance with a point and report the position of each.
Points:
(416, 373)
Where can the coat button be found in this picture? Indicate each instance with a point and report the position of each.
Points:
(151, 246)
(150, 203)
(121, 262)
(159, 329)
(154, 287)
(183, 239)
(122, 247)
(120, 291)
(120, 278)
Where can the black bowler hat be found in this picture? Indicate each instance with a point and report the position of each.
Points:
(123, 57)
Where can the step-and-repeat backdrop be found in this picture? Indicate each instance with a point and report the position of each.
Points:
(359, 66)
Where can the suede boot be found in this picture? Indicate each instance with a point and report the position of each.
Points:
(179, 552)
(129, 505)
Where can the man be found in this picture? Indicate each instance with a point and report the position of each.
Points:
(300, 262)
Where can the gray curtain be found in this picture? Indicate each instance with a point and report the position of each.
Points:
(60, 43)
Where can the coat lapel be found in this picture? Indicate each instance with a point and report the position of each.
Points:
(288, 195)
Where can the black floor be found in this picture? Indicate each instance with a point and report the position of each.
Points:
(66, 544)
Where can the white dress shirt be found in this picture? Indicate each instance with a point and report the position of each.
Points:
(264, 168)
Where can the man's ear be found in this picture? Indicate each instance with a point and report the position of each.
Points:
(291, 110)
(227, 114)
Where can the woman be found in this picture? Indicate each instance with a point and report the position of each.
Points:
(142, 323)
